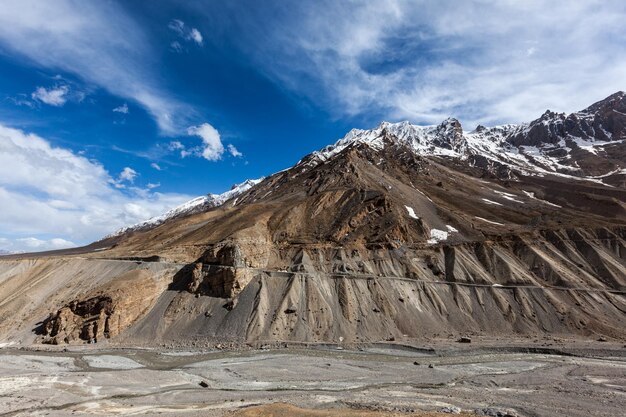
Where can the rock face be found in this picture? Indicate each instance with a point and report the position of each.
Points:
(87, 320)
(225, 269)
(104, 315)
(396, 233)
(602, 121)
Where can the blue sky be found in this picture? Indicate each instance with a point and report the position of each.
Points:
(112, 112)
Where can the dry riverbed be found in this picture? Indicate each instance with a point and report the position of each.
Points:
(385, 381)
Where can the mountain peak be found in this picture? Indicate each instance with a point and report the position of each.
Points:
(450, 120)
(451, 125)
(616, 101)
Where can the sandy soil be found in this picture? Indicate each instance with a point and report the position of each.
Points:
(589, 380)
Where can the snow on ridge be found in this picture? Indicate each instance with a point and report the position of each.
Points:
(433, 140)
(191, 206)
(490, 143)
(237, 189)
(419, 138)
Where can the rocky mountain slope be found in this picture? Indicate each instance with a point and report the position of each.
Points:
(397, 233)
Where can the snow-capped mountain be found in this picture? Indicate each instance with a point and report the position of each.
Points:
(195, 205)
(588, 145)
(444, 139)
(580, 145)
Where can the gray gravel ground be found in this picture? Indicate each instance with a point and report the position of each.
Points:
(575, 380)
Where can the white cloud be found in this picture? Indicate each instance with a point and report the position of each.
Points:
(155, 166)
(33, 243)
(137, 210)
(213, 148)
(49, 193)
(234, 151)
(128, 174)
(483, 61)
(185, 32)
(97, 41)
(175, 145)
(121, 109)
(56, 96)
(196, 36)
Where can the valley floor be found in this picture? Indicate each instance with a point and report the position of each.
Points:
(567, 379)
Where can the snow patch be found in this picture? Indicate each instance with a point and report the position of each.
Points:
(411, 212)
(489, 221)
(532, 195)
(508, 196)
(491, 202)
(437, 235)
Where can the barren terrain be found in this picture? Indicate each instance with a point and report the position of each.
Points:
(403, 270)
(570, 378)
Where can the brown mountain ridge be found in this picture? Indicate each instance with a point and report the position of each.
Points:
(399, 233)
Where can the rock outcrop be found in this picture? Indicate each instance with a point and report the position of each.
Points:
(87, 320)
(104, 313)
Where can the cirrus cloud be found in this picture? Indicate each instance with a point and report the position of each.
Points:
(99, 42)
(484, 61)
(186, 33)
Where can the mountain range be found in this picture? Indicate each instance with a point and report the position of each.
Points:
(396, 233)
(587, 144)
